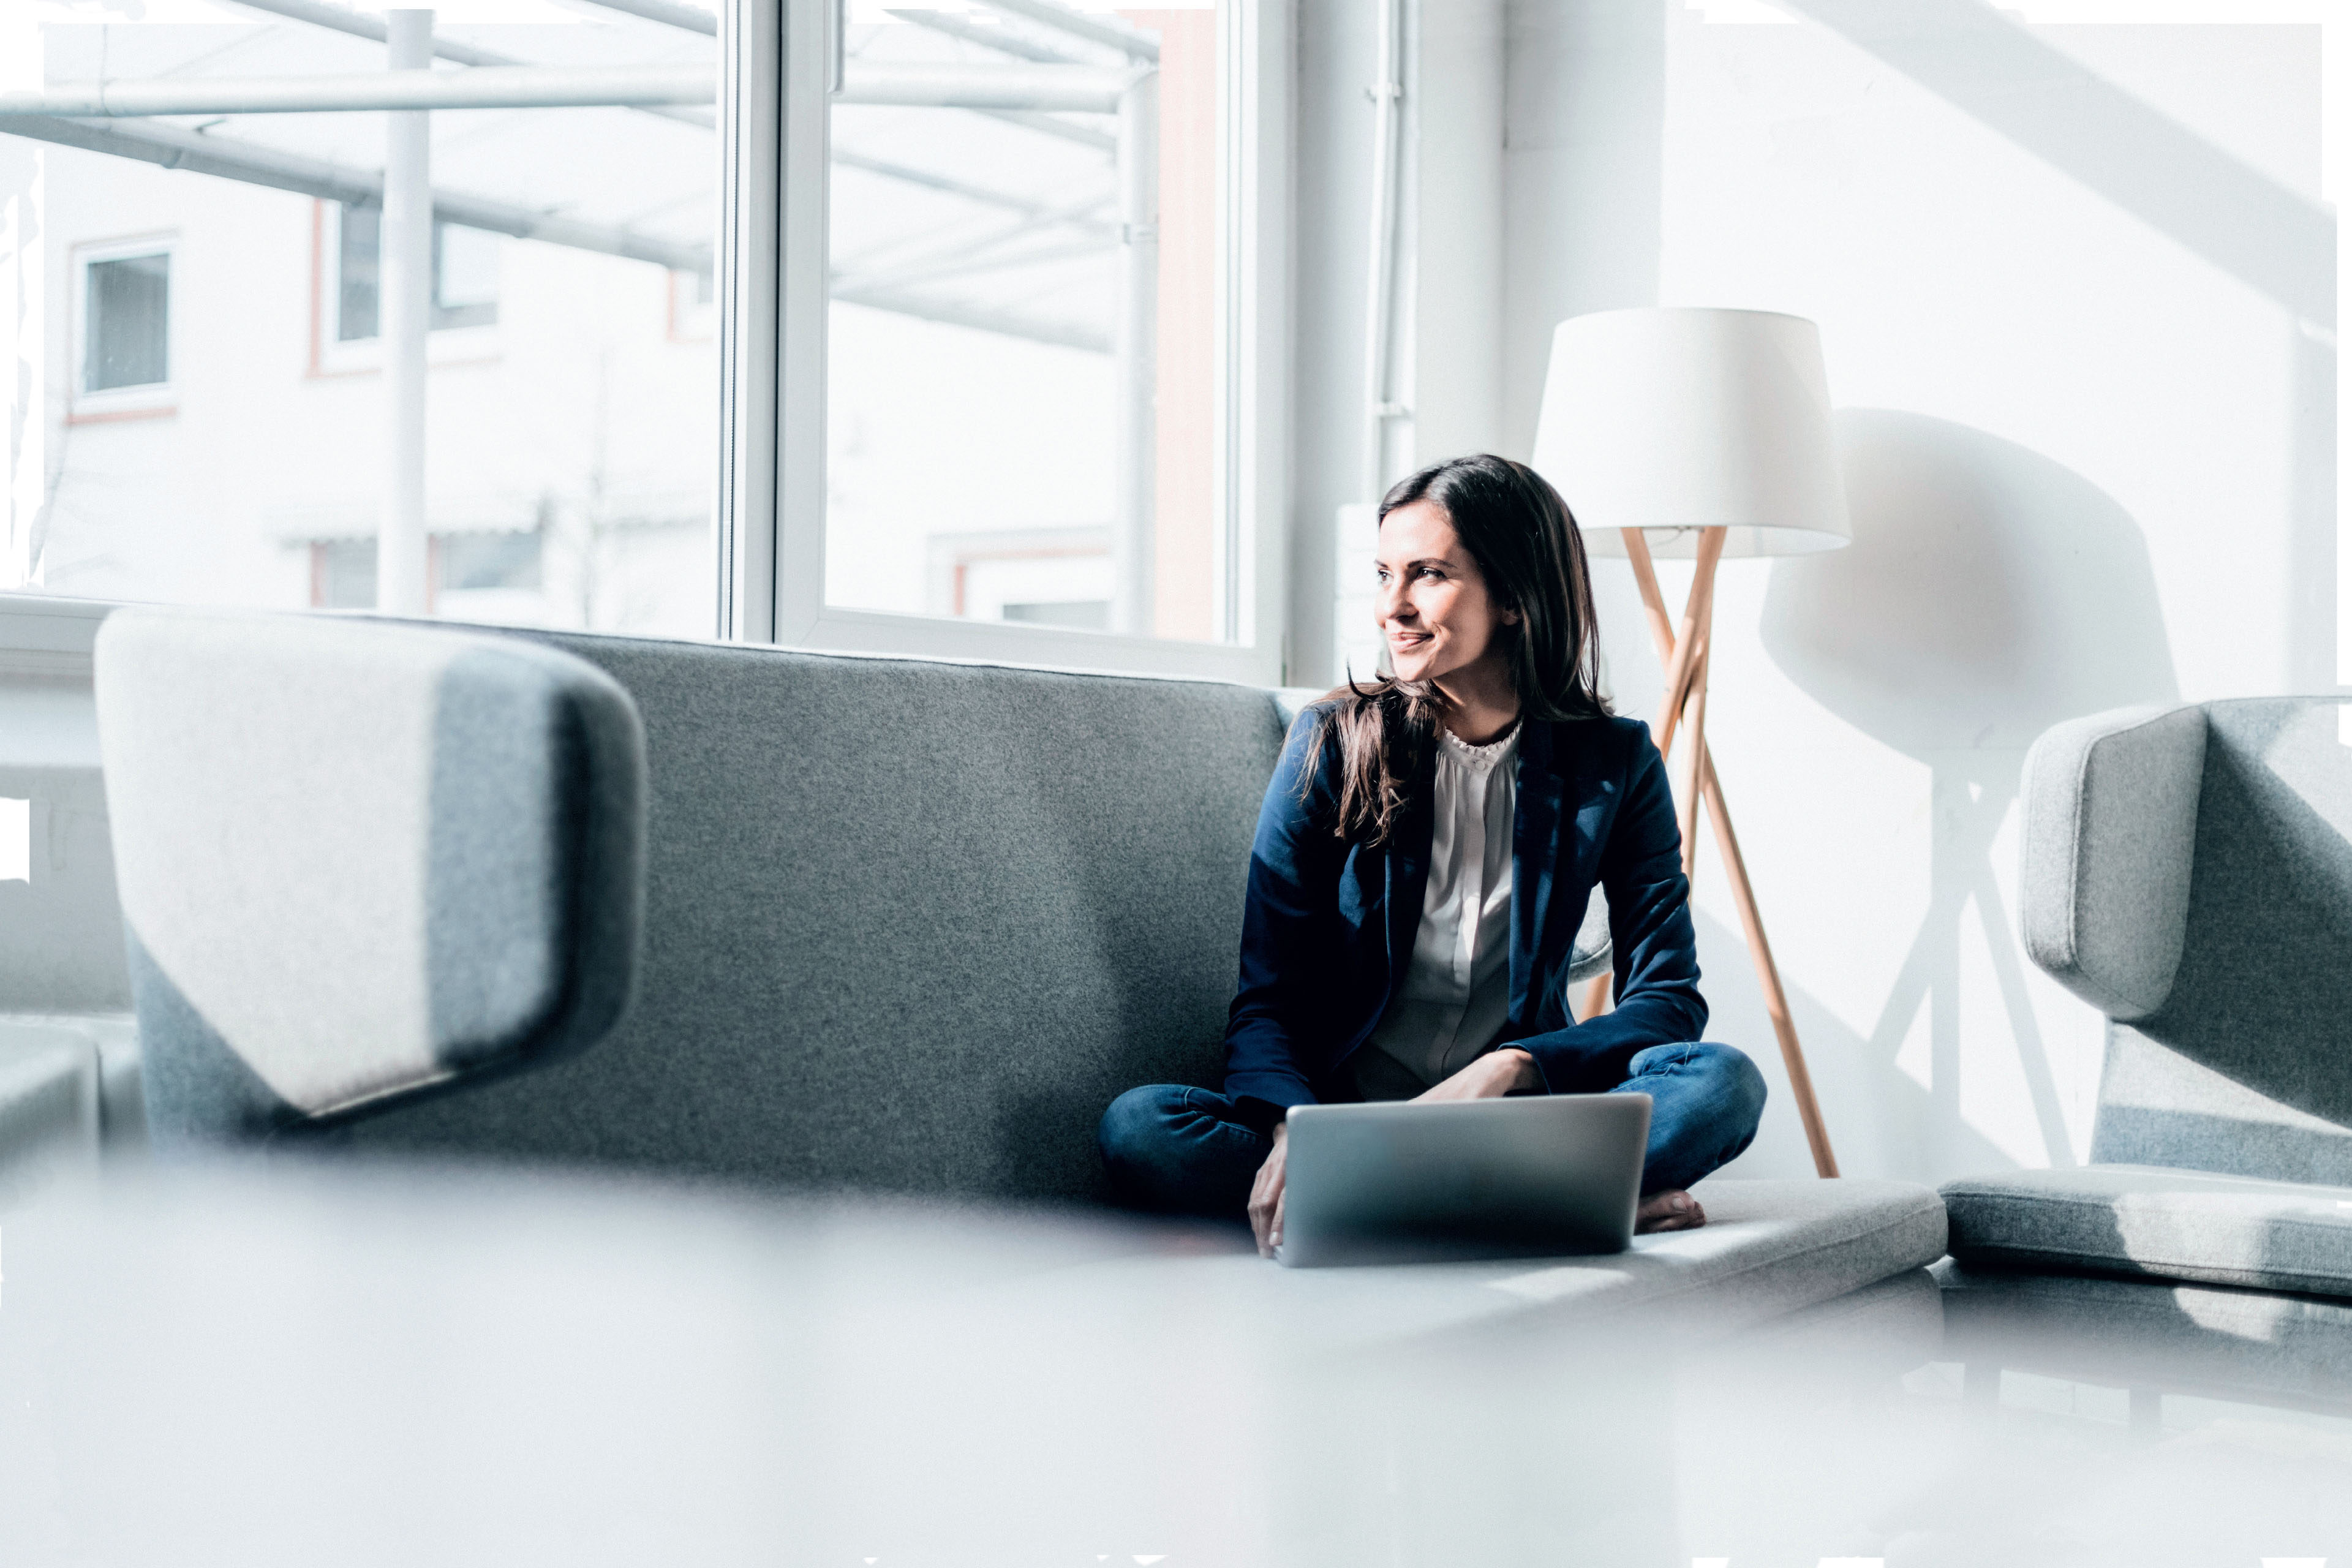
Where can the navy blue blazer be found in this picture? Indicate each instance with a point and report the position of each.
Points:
(1329, 925)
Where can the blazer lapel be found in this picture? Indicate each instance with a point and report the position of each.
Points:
(1535, 857)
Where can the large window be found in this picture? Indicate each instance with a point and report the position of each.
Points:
(961, 324)
(205, 406)
(1031, 398)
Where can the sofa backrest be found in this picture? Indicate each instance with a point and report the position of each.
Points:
(909, 925)
(2246, 1067)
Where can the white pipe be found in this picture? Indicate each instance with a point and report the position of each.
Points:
(669, 12)
(1037, 211)
(988, 38)
(1080, 88)
(368, 24)
(226, 158)
(488, 87)
(1135, 341)
(1062, 130)
(979, 318)
(1379, 289)
(404, 324)
(1108, 31)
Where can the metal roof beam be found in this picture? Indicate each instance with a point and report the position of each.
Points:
(1109, 32)
(487, 87)
(989, 37)
(1030, 88)
(1062, 129)
(669, 12)
(948, 185)
(173, 148)
(369, 24)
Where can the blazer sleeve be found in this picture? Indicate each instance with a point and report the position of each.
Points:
(1290, 937)
(1656, 951)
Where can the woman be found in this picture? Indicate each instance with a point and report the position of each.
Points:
(1424, 859)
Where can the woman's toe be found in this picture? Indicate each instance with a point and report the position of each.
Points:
(1669, 1211)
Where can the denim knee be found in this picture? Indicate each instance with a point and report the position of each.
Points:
(1733, 1076)
(1136, 1121)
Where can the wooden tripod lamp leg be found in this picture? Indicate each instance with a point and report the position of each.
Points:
(1682, 657)
(1751, 920)
(1767, 975)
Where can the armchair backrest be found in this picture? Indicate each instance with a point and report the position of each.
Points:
(2190, 872)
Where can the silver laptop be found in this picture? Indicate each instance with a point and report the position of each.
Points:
(1403, 1180)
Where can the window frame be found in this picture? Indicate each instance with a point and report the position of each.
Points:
(148, 399)
(774, 283)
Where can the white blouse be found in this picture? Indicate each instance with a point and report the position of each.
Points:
(1456, 992)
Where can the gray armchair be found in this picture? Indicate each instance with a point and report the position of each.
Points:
(2188, 871)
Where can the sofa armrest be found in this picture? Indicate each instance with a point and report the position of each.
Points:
(2110, 832)
(361, 861)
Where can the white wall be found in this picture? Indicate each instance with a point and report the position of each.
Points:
(2091, 454)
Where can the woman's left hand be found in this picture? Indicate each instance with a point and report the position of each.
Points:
(1490, 1076)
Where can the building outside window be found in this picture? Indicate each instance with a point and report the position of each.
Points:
(465, 274)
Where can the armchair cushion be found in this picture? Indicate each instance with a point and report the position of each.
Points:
(2158, 1223)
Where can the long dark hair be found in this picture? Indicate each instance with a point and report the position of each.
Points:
(1525, 544)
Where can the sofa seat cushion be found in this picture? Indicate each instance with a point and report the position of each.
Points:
(2160, 1223)
(1769, 1249)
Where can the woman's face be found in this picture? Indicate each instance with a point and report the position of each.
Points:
(1433, 606)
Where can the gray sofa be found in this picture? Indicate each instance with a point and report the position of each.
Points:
(2188, 871)
(788, 919)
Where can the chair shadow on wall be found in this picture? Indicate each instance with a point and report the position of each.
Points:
(1988, 594)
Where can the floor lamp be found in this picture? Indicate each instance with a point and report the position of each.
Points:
(1698, 434)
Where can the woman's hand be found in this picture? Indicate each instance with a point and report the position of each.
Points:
(1490, 1076)
(1265, 1198)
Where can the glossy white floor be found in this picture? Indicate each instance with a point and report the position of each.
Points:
(276, 1364)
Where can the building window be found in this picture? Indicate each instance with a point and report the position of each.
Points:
(474, 574)
(122, 341)
(129, 324)
(465, 275)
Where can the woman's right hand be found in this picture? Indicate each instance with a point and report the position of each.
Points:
(1265, 1195)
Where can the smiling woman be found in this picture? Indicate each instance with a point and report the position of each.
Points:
(1476, 798)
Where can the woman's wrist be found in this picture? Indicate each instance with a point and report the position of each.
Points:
(1524, 1074)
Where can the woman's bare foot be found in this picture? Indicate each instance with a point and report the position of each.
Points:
(1669, 1211)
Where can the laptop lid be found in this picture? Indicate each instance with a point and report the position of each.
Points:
(1402, 1180)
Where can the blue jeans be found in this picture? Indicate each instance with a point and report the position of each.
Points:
(1174, 1149)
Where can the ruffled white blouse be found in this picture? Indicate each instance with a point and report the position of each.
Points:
(1455, 994)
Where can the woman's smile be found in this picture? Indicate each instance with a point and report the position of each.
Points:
(1434, 610)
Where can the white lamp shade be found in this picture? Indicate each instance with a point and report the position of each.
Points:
(1675, 420)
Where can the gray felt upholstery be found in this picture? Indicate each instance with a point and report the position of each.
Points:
(2165, 1223)
(2110, 824)
(2222, 1148)
(359, 861)
(910, 925)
